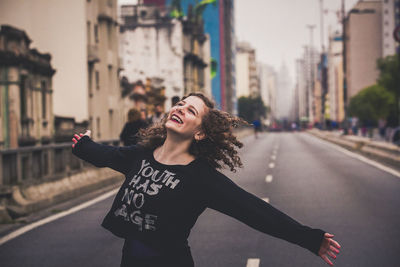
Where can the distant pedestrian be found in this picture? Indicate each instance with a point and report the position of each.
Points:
(382, 128)
(135, 122)
(172, 177)
(257, 127)
(158, 114)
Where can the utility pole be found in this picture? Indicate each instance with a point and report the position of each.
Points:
(344, 38)
(321, 2)
(311, 61)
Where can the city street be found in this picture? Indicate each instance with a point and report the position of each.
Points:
(297, 173)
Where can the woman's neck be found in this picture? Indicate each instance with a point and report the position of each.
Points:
(174, 152)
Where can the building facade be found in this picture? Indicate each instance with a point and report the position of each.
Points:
(335, 77)
(218, 17)
(247, 79)
(171, 53)
(82, 38)
(363, 41)
(267, 79)
(26, 110)
(388, 26)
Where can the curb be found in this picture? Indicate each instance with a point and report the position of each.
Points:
(388, 154)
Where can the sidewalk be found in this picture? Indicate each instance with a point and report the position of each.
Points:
(378, 150)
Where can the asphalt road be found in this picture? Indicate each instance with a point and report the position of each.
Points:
(299, 174)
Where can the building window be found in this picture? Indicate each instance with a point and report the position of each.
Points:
(98, 127)
(44, 102)
(96, 33)
(110, 78)
(23, 97)
(110, 114)
(97, 80)
(89, 37)
(109, 35)
(90, 80)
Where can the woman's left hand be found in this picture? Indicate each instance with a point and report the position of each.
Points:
(328, 248)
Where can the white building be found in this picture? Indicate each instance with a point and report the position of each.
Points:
(82, 38)
(247, 83)
(388, 26)
(335, 77)
(267, 78)
(156, 47)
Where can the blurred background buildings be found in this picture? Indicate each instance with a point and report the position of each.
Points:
(100, 58)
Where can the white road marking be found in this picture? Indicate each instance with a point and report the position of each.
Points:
(361, 158)
(271, 165)
(54, 217)
(268, 178)
(273, 157)
(266, 199)
(253, 263)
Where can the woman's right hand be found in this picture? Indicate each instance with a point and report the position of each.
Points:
(76, 137)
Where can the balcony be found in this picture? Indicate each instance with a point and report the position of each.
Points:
(93, 54)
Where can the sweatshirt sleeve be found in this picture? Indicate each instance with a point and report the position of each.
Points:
(116, 158)
(226, 197)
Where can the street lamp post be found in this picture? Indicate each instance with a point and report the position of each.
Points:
(345, 126)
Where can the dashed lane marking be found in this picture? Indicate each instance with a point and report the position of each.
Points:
(271, 165)
(268, 178)
(273, 157)
(266, 199)
(34, 225)
(253, 263)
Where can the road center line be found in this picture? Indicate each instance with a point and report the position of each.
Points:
(273, 157)
(253, 263)
(54, 217)
(268, 178)
(271, 165)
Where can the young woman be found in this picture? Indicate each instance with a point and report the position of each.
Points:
(172, 177)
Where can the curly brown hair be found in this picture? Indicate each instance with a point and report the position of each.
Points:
(218, 148)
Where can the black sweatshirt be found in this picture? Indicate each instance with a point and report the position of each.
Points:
(158, 204)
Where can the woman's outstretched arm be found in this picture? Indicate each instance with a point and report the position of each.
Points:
(116, 158)
(225, 196)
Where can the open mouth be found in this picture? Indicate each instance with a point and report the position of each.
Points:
(176, 119)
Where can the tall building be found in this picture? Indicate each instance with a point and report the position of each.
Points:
(218, 17)
(26, 113)
(267, 79)
(335, 77)
(82, 37)
(363, 41)
(247, 80)
(170, 52)
(388, 26)
(284, 95)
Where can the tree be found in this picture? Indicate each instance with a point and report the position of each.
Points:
(251, 108)
(389, 78)
(372, 104)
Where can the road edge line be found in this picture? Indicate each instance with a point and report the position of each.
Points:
(360, 157)
(54, 217)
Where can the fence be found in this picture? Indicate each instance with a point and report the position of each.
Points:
(36, 164)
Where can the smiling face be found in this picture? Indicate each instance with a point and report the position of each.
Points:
(185, 118)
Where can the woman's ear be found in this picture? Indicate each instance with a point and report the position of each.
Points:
(200, 135)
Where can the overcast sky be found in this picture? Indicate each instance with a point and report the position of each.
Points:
(277, 28)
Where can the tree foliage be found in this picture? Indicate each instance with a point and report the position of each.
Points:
(389, 76)
(251, 108)
(371, 104)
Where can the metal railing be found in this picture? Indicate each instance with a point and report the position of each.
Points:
(36, 164)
